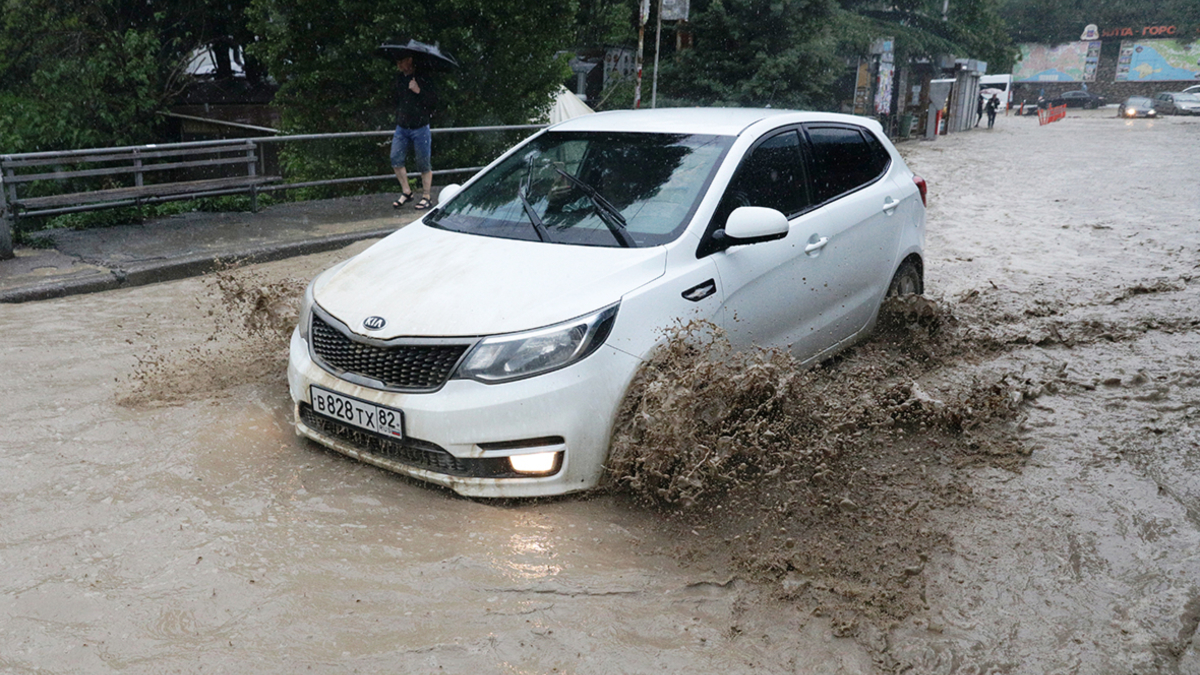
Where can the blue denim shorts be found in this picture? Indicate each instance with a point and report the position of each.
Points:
(421, 141)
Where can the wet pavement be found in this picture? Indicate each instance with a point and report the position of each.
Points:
(68, 262)
(161, 516)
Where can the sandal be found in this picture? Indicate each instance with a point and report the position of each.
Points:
(405, 197)
(423, 204)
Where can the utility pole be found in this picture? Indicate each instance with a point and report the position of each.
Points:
(643, 14)
(657, 47)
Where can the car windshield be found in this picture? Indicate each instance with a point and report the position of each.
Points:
(590, 188)
(1137, 100)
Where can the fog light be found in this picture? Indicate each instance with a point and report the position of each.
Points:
(534, 463)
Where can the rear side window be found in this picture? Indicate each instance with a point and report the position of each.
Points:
(843, 159)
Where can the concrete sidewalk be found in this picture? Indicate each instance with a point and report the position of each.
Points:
(85, 261)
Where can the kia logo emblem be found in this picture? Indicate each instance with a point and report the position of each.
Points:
(374, 322)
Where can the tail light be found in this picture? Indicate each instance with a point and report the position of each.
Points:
(922, 187)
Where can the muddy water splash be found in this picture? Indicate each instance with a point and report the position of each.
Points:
(249, 316)
(821, 478)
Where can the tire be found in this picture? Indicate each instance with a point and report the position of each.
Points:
(1089, 105)
(907, 281)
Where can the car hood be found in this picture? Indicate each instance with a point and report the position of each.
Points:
(426, 282)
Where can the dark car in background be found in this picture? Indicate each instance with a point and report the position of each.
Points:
(1177, 103)
(1078, 99)
(1137, 106)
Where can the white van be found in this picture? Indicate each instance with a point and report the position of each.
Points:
(1000, 85)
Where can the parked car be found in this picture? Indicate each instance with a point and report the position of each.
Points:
(1137, 106)
(488, 346)
(1194, 89)
(1078, 99)
(1177, 103)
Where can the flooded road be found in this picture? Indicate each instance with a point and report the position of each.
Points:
(161, 516)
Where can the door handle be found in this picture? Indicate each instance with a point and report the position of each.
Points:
(889, 205)
(816, 245)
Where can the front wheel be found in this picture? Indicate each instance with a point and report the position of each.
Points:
(907, 280)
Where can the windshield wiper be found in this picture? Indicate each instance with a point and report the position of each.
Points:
(610, 214)
(542, 233)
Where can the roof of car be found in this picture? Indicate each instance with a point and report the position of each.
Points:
(716, 121)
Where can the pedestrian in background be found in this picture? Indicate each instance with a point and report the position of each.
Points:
(416, 100)
(979, 110)
(992, 106)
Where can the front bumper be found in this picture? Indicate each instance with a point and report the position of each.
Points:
(462, 435)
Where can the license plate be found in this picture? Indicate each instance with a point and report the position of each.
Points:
(362, 414)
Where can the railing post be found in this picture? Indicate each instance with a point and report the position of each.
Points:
(6, 222)
(137, 163)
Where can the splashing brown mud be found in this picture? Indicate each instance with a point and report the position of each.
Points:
(249, 318)
(821, 478)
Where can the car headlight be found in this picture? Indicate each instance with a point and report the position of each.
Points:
(306, 305)
(503, 358)
(1151, 112)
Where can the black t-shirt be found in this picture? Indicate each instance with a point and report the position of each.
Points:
(414, 111)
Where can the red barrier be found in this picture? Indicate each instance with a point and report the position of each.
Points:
(1052, 114)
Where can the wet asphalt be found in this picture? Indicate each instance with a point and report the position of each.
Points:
(70, 262)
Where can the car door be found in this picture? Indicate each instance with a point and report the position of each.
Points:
(769, 287)
(820, 285)
(857, 219)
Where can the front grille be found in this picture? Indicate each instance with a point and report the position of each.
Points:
(410, 452)
(407, 367)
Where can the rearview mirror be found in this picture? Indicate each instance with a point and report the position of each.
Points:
(751, 225)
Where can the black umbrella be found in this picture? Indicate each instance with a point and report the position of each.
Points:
(428, 57)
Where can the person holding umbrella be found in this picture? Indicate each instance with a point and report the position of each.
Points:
(416, 100)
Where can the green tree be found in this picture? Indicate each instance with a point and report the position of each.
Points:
(323, 54)
(1054, 21)
(82, 73)
(756, 53)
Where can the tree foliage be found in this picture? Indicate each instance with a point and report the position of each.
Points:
(81, 73)
(323, 54)
(789, 53)
(756, 53)
(1058, 21)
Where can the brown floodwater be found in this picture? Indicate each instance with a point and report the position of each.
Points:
(1007, 480)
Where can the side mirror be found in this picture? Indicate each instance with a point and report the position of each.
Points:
(751, 225)
(447, 193)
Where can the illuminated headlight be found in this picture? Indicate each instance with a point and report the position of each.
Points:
(503, 358)
(1151, 112)
(535, 463)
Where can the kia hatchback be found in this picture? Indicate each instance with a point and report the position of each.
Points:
(487, 347)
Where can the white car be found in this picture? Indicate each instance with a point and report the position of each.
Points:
(488, 346)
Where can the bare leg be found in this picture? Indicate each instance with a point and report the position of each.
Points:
(426, 184)
(402, 176)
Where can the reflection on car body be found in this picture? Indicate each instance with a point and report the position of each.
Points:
(498, 335)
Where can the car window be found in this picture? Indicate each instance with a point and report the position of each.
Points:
(653, 183)
(771, 176)
(843, 160)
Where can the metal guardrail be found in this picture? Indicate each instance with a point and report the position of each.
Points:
(10, 208)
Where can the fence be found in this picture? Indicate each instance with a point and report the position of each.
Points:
(1052, 114)
(45, 171)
